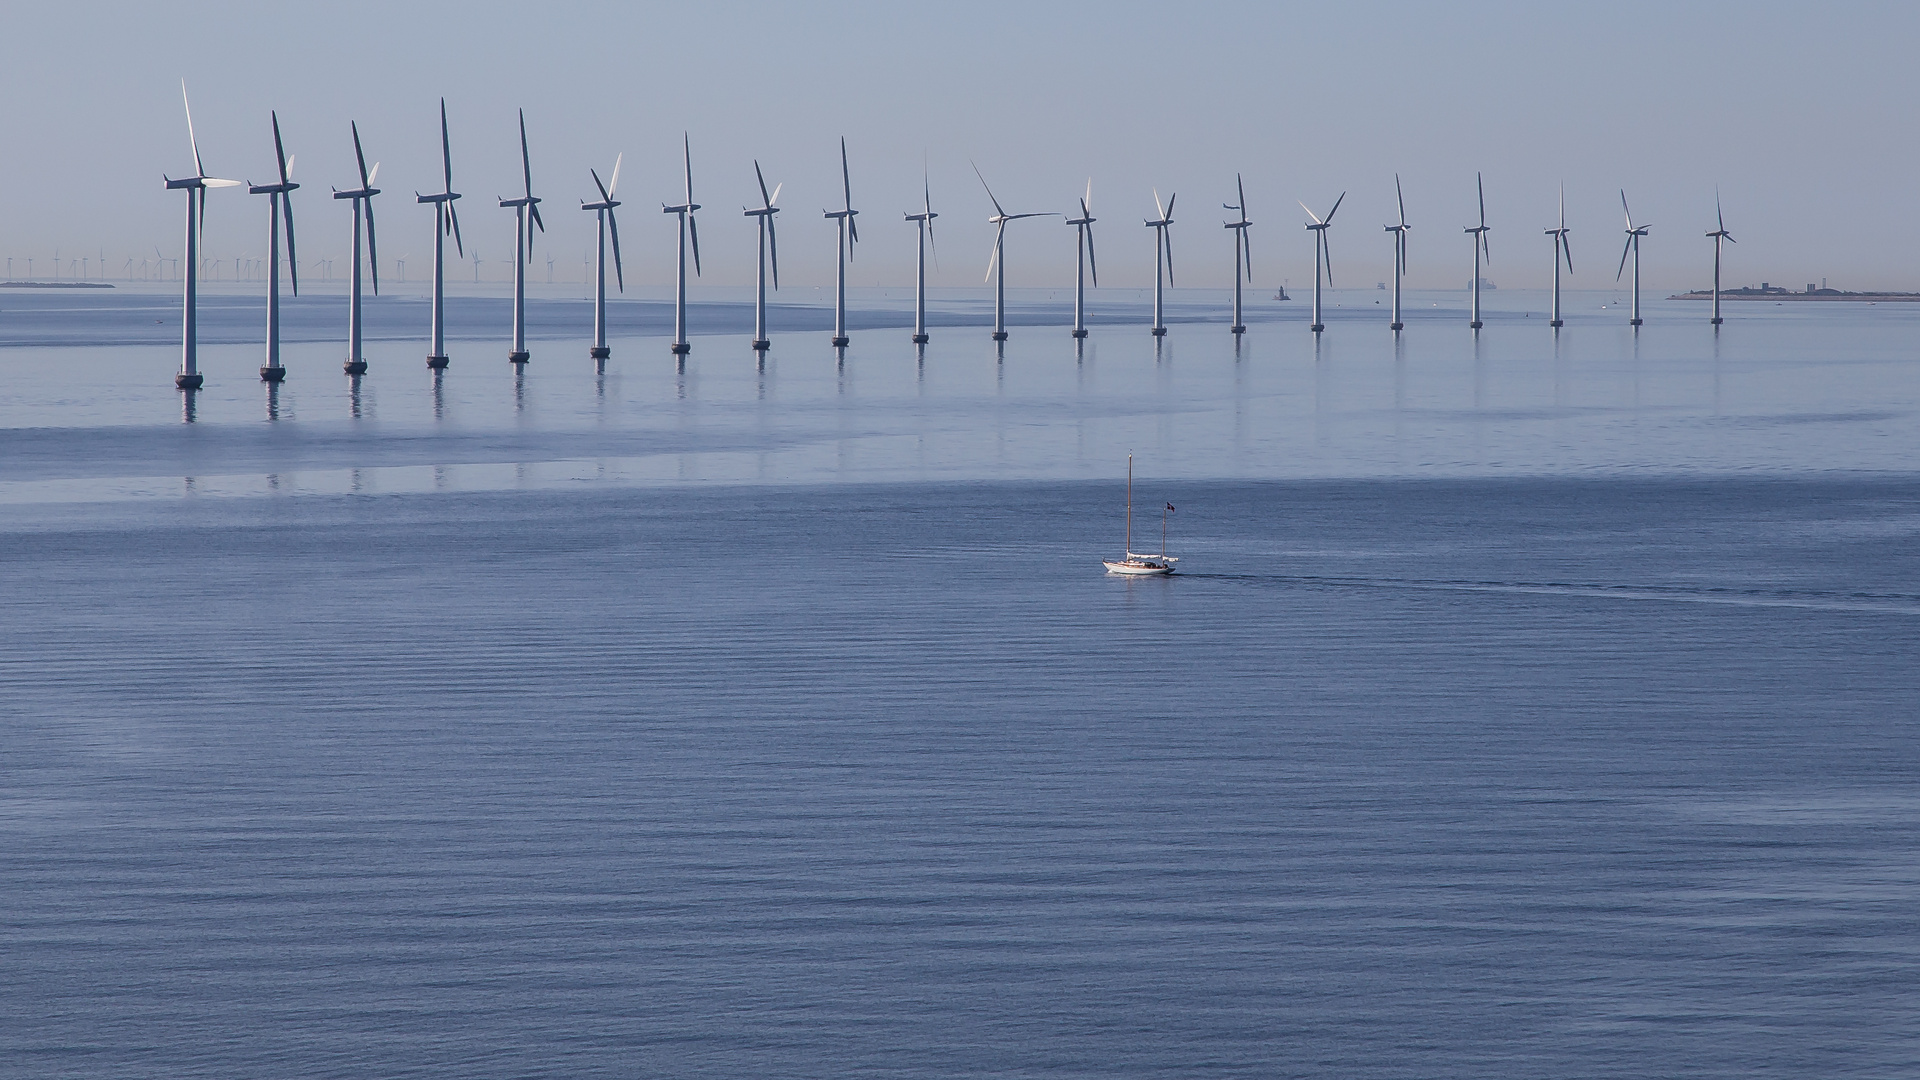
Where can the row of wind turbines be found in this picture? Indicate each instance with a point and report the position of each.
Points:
(527, 222)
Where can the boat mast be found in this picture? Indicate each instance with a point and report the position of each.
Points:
(1129, 505)
(1163, 534)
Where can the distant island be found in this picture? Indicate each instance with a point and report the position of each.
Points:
(54, 285)
(1769, 291)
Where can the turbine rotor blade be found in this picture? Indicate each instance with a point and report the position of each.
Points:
(526, 159)
(613, 182)
(846, 181)
(766, 200)
(1402, 198)
(293, 259)
(773, 249)
(279, 151)
(1092, 263)
(453, 224)
(693, 230)
(373, 248)
(446, 150)
(358, 156)
(1480, 182)
(1336, 207)
(1623, 259)
(613, 230)
(990, 198)
(604, 197)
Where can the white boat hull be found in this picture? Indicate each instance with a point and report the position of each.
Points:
(1138, 567)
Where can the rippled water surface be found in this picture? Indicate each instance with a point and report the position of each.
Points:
(1521, 712)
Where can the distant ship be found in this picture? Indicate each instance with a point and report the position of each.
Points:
(1484, 284)
(1282, 294)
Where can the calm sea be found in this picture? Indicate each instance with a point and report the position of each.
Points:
(1525, 708)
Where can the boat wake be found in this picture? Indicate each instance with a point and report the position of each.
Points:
(1887, 603)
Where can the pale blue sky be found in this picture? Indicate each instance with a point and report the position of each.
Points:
(1801, 113)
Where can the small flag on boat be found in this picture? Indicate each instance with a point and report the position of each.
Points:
(1169, 508)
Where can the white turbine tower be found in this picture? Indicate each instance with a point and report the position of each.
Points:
(925, 221)
(196, 187)
(607, 226)
(1562, 252)
(849, 236)
(1718, 235)
(445, 220)
(681, 346)
(769, 245)
(362, 198)
(1399, 252)
(1480, 247)
(1242, 252)
(1085, 262)
(1321, 255)
(280, 204)
(1162, 256)
(998, 258)
(526, 217)
(1633, 248)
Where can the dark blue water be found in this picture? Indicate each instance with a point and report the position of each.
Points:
(1530, 704)
(1476, 778)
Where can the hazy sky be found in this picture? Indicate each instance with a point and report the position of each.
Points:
(1801, 113)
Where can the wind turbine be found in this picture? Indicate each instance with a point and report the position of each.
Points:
(526, 216)
(1084, 225)
(279, 202)
(1399, 252)
(1000, 218)
(603, 211)
(925, 219)
(1162, 255)
(445, 220)
(1479, 247)
(362, 197)
(1633, 247)
(1718, 235)
(681, 346)
(196, 187)
(849, 236)
(1242, 253)
(1561, 253)
(1321, 256)
(769, 242)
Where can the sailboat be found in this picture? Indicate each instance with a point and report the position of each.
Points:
(1135, 564)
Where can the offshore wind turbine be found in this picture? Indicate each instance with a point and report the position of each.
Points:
(1162, 256)
(362, 198)
(1561, 253)
(1242, 252)
(526, 217)
(1321, 255)
(849, 236)
(1480, 247)
(1085, 262)
(196, 187)
(280, 203)
(998, 258)
(445, 220)
(1718, 235)
(1633, 247)
(681, 346)
(769, 242)
(925, 220)
(1399, 252)
(607, 225)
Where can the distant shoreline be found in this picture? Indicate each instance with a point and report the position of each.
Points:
(54, 285)
(1829, 295)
